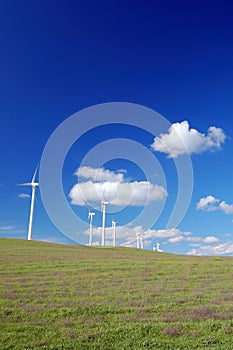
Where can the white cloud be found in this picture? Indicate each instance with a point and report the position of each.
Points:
(166, 233)
(210, 203)
(218, 249)
(207, 203)
(116, 192)
(181, 238)
(123, 232)
(99, 174)
(128, 234)
(211, 240)
(226, 208)
(7, 228)
(181, 139)
(23, 195)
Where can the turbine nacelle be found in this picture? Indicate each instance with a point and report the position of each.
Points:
(90, 215)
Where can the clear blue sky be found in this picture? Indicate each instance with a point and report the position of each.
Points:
(176, 58)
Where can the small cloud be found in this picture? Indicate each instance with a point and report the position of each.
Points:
(211, 240)
(226, 208)
(122, 171)
(24, 195)
(99, 174)
(166, 233)
(210, 203)
(7, 228)
(181, 238)
(206, 203)
(181, 139)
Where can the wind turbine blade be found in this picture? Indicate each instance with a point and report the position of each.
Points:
(34, 176)
(25, 184)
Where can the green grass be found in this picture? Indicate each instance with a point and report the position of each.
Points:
(71, 297)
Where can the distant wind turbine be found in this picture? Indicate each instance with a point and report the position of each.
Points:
(90, 217)
(33, 185)
(103, 203)
(114, 232)
(138, 240)
(142, 241)
(158, 247)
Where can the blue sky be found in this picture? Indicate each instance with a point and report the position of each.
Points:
(176, 58)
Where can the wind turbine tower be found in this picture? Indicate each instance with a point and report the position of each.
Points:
(114, 232)
(138, 240)
(90, 217)
(33, 185)
(142, 241)
(103, 221)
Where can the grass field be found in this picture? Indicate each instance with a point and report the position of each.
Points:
(72, 297)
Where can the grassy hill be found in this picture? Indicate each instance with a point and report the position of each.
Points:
(70, 297)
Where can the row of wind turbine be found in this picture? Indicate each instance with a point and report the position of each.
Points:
(139, 237)
(103, 229)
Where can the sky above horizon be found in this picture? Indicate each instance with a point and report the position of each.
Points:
(175, 58)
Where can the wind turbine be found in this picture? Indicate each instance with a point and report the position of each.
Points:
(114, 232)
(142, 242)
(33, 185)
(104, 203)
(90, 216)
(158, 247)
(138, 240)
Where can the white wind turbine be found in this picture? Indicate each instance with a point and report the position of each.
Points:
(139, 238)
(142, 241)
(103, 205)
(114, 232)
(158, 247)
(33, 185)
(90, 217)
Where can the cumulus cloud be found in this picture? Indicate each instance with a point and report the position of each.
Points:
(166, 233)
(217, 249)
(211, 240)
(210, 203)
(129, 233)
(226, 208)
(127, 236)
(181, 139)
(207, 203)
(23, 195)
(181, 238)
(111, 186)
(123, 232)
(99, 174)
